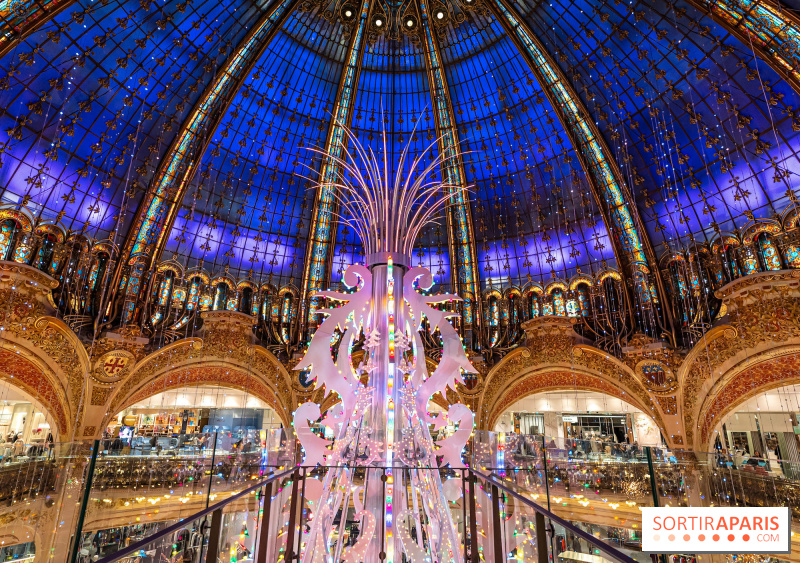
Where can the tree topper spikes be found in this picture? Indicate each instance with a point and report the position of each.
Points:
(387, 215)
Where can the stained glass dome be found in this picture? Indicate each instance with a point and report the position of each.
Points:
(597, 138)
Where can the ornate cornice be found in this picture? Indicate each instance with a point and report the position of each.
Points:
(763, 317)
(777, 367)
(732, 362)
(743, 287)
(241, 321)
(554, 349)
(223, 354)
(26, 274)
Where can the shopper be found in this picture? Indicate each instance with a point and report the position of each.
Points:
(19, 446)
(49, 444)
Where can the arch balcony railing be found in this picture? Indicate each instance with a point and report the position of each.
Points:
(527, 497)
(485, 529)
(562, 498)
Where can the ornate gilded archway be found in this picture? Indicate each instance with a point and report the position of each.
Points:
(557, 358)
(19, 372)
(771, 371)
(205, 373)
(540, 381)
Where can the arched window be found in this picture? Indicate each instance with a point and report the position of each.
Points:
(793, 256)
(286, 308)
(572, 307)
(768, 253)
(178, 297)
(559, 303)
(535, 305)
(135, 279)
(730, 264)
(513, 308)
(653, 292)
(702, 273)
(640, 287)
(23, 248)
(287, 313)
(194, 293)
(749, 260)
(165, 289)
(582, 297)
(98, 271)
(678, 279)
(681, 290)
(70, 271)
(7, 230)
(494, 311)
(613, 301)
(221, 296)
(696, 277)
(246, 303)
(269, 305)
(44, 256)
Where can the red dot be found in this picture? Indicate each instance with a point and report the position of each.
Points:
(701, 537)
(686, 537)
(746, 537)
(715, 537)
(731, 537)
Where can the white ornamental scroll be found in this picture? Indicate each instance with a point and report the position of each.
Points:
(337, 376)
(453, 359)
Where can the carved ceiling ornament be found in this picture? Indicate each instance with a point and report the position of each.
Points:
(640, 348)
(641, 341)
(113, 366)
(125, 340)
(657, 377)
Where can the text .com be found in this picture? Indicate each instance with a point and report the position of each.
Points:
(716, 530)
